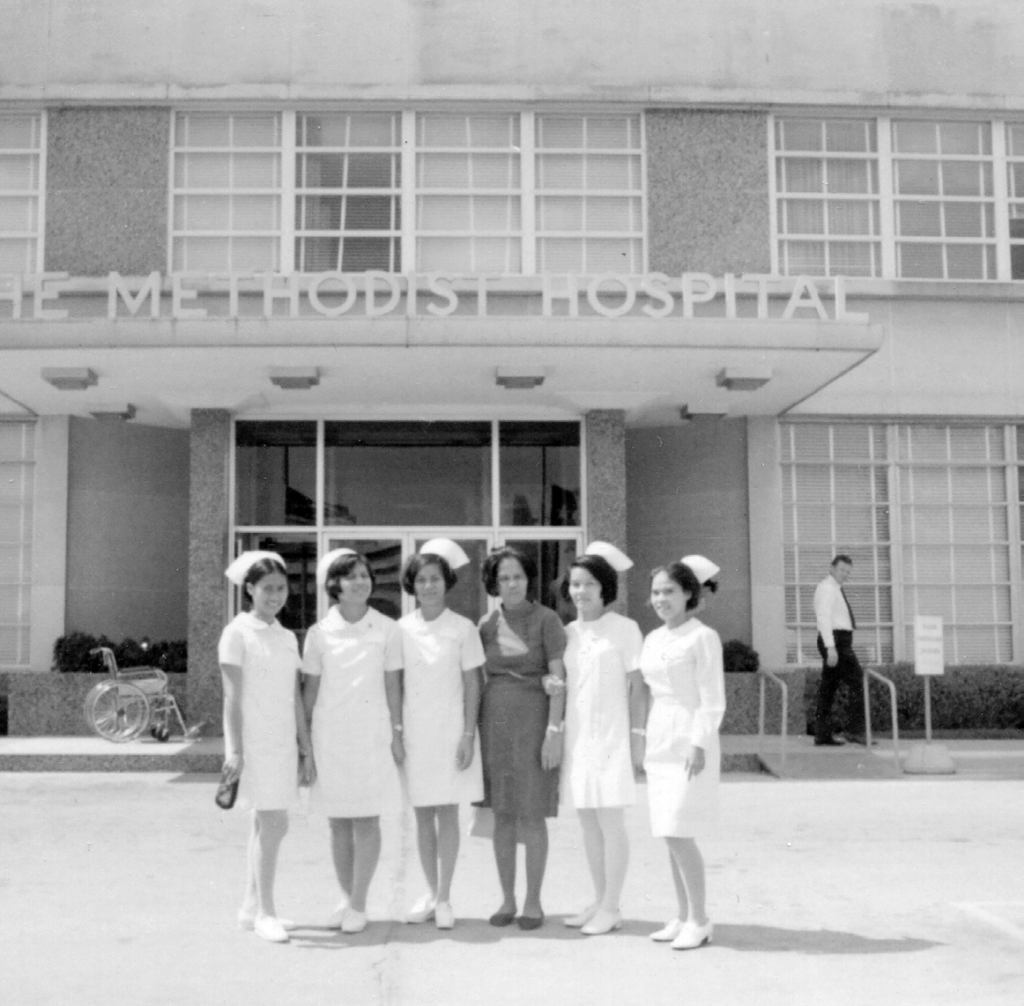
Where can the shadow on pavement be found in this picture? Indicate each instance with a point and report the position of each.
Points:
(466, 931)
(771, 939)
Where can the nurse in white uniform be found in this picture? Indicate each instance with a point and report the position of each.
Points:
(442, 661)
(682, 665)
(353, 695)
(604, 726)
(266, 742)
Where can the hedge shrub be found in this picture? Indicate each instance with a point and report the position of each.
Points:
(72, 654)
(967, 697)
(739, 658)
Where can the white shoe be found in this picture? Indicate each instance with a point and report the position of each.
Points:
(353, 921)
(444, 917)
(668, 932)
(423, 910)
(577, 921)
(602, 922)
(268, 928)
(691, 936)
(336, 917)
(247, 920)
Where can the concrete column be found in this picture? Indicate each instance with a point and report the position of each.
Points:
(208, 517)
(606, 482)
(50, 540)
(767, 570)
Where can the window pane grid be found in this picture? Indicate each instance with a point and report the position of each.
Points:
(227, 193)
(469, 193)
(16, 528)
(348, 193)
(836, 499)
(944, 219)
(828, 207)
(20, 183)
(589, 193)
(956, 537)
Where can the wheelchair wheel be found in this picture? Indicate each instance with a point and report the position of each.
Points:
(117, 710)
(160, 730)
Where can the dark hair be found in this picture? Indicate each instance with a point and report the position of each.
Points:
(341, 568)
(841, 558)
(489, 571)
(685, 577)
(600, 569)
(710, 585)
(418, 562)
(256, 572)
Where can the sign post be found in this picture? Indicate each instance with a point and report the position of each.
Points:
(929, 662)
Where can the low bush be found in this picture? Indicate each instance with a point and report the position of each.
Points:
(967, 697)
(740, 658)
(72, 654)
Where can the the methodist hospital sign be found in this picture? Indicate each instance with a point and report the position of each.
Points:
(427, 295)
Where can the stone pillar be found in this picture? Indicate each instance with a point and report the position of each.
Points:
(767, 559)
(208, 518)
(606, 483)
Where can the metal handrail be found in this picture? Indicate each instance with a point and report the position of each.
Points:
(869, 673)
(765, 674)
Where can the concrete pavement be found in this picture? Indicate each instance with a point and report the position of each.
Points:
(123, 887)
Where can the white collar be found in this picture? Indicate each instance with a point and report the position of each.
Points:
(253, 621)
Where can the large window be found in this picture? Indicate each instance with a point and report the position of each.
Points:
(899, 198)
(21, 193)
(925, 512)
(511, 193)
(17, 469)
(348, 193)
(227, 193)
(383, 488)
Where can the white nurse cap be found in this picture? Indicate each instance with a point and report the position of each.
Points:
(448, 550)
(239, 569)
(703, 569)
(616, 558)
(324, 565)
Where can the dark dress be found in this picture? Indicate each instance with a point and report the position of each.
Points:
(514, 711)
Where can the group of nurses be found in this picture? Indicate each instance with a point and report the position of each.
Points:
(380, 694)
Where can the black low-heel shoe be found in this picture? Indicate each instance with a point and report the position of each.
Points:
(502, 918)
(530, 921)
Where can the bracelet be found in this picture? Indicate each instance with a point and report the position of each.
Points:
(639, 731)
(552, 729)
(397, 727)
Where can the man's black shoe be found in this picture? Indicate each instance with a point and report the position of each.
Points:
(828, 742)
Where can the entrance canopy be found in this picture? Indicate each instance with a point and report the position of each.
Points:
(532, 354)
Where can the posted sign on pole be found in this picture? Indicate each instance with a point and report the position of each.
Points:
(928, 647)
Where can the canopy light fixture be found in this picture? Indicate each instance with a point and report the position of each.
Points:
(295, 378)
(686, 416)
(114, 413)
(743, 378)
(70, 378)
(513, 378)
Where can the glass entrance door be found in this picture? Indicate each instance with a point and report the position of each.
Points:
(387, 553)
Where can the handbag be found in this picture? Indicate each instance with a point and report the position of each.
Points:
(481, 822)
(227, 792)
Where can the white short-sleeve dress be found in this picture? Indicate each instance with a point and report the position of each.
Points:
(683, 669)
(355, 771)
(597, 769)
(435, 655)
(268, 654)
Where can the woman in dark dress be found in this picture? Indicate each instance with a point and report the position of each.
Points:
(520, 727)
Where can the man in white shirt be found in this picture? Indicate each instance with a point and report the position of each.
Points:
(840, 665)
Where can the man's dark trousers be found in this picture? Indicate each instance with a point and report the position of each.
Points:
(848, 671)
